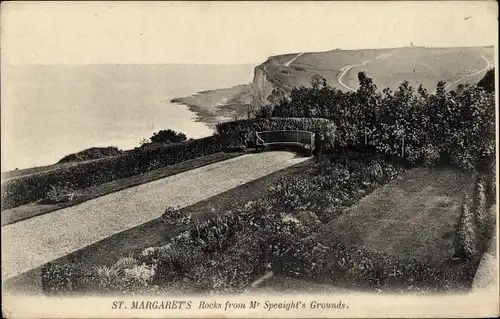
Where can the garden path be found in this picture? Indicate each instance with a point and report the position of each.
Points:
(33, 242)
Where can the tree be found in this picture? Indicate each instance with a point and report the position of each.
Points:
(168, 136)
(488, 81)
(465, 239)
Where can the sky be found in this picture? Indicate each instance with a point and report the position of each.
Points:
(230, 32)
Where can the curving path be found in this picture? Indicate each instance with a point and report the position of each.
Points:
(293, 60)
(347, 68)
(287, 64)
(33, 242)
(489, 65)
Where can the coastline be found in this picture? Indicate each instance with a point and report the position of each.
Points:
(214, 106)
(210, 107)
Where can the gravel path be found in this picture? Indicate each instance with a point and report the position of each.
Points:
(33, 242)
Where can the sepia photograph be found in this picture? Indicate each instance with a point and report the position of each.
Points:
(249, 159)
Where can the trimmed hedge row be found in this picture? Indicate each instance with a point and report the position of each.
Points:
(241, 129)
(23, 190)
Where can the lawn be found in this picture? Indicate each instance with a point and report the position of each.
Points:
(414, 216)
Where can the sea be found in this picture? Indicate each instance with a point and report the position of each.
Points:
(49, 111)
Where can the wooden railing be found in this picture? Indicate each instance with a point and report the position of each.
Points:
(304, 139)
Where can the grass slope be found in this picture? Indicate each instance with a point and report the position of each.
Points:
(388, 67)
(414, 216)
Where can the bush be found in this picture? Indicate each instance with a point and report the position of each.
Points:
(431, 155)
(231, 272)
(465, 241)
(168, 136)
(124, 277)
(176, 216)
(30, 188)
(480, 212)
(404, 123)
(61, 192)
(375, 171)
(67, 278)
(323, 128)
(175, 261)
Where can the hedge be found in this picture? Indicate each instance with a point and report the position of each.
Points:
(26, 189)
(323, 128)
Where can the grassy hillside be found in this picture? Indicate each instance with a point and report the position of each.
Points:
(388, 67)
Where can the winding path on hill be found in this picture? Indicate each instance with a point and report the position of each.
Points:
(346, 68)
(489, 65)
(33, 242)
(287, 64)
(293, 60)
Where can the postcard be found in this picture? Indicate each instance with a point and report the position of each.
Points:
(262, 159)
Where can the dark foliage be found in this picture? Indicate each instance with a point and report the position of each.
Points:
(488, 81)
(444, 127)
(168, 136)
(243, 131)
(35, 187)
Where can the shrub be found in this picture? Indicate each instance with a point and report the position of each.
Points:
(67, 278)
(168, 136)
(176, 216)
(217, 233)
(431, 155)
(323, 128)
(61, 192)
(375, 171)
(480, 212)
(175, 261)
(465, 240)
(125, 278)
